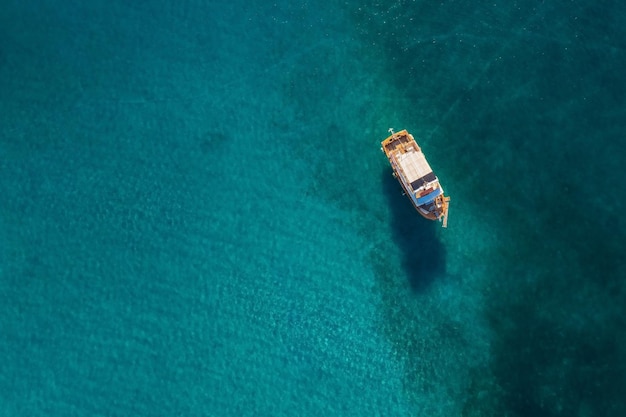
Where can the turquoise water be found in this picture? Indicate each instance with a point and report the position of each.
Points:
(196, 218)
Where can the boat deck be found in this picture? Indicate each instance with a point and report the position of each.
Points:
(416, 176)
(402, 149)
(413, 164)
(398, 141)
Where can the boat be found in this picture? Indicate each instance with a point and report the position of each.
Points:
(415, 175)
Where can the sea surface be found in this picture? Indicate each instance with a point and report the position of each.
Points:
(196, 219)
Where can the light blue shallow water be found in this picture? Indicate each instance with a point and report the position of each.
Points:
(196, 218)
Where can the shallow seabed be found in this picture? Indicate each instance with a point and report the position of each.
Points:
(196, 218)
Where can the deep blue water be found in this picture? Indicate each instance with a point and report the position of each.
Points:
(196, 220)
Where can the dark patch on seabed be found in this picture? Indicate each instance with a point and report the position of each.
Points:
(535, 90)
(423, 254)
(560, 349)
(554, 368)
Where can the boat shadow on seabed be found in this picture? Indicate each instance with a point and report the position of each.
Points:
(423, 254)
